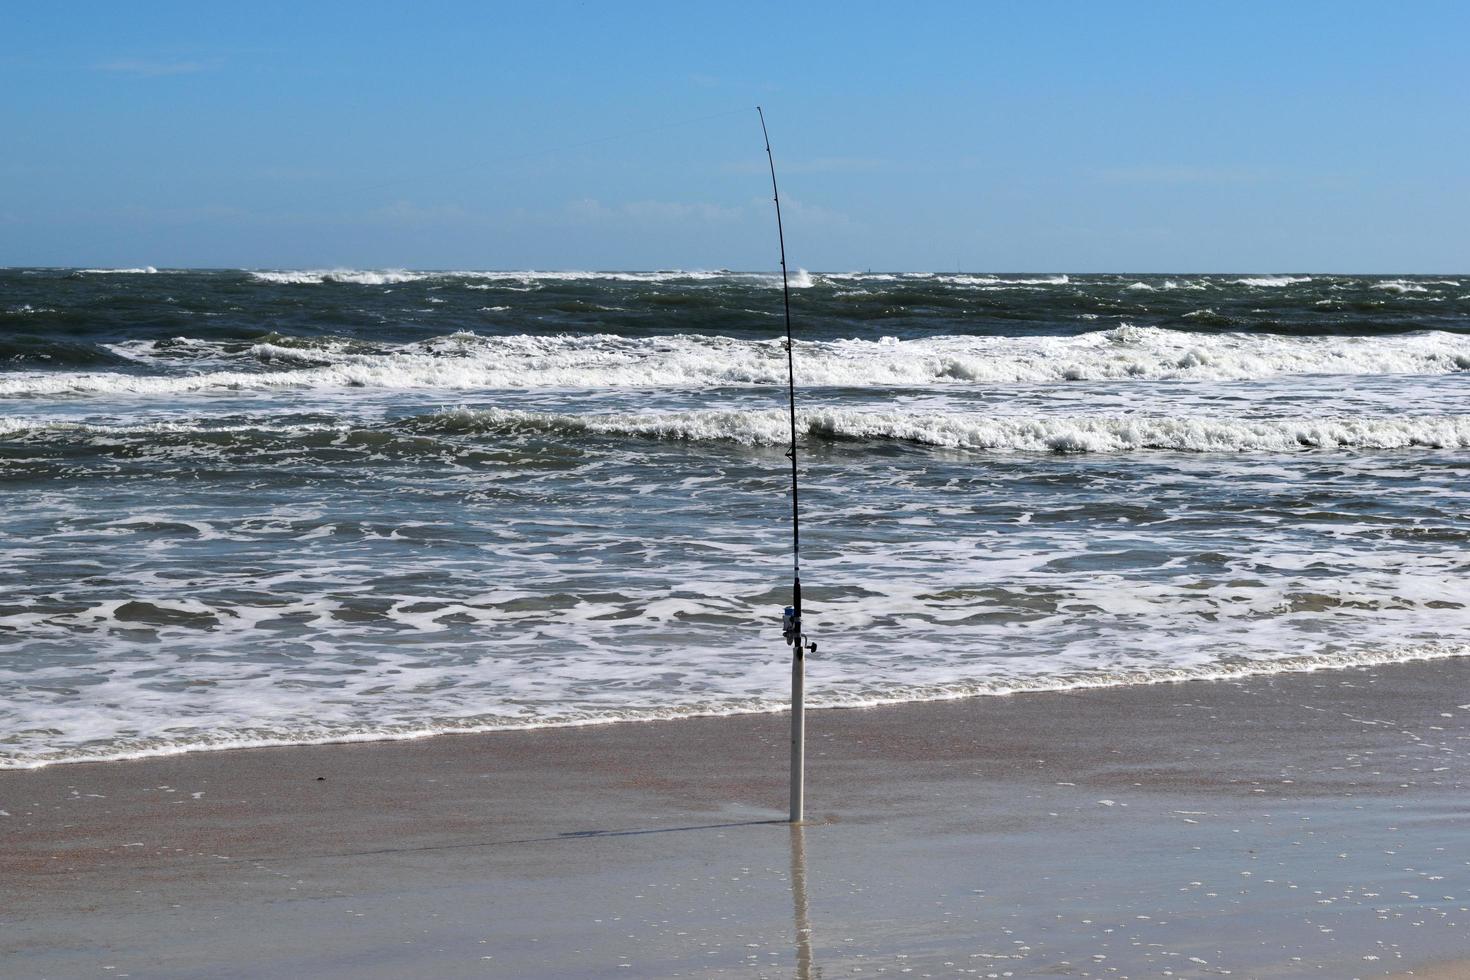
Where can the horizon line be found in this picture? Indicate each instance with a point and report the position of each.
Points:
(549, 270)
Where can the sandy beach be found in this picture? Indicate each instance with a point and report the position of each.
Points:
(1298, 825)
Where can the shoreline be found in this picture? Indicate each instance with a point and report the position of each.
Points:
(1289, 824)
(1127, 678)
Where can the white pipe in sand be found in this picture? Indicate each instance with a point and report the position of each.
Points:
(798, 730)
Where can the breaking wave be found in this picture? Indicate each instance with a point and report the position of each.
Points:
(359, 277)
(141, 271)
(1400, 286)
(1063, 434)
(944, 429)
(1268, 281)
(467, 361)
(231, 734)
(381, 277)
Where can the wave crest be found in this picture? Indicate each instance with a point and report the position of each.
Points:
(466, 361)
(958, 430)
(361, 277)
(1272, 281)
(769, 427)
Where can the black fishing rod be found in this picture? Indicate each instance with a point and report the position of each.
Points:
(791, 622)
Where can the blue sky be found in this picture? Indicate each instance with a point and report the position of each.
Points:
(985, 136)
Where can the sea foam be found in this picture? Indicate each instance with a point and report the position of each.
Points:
(359, 277)
(1039, 433)
(961, 430)
(1272, 281)
(466, 361)
(237, 723)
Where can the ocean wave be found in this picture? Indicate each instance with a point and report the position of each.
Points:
(942, 429)
(580, 275)
(146, 270)
(34, 352)
(1271, 281)
(174, 739)
(464, 361)
(964, 280)
(361, 277)
(962, 430)
(489, 279)
(1400, 286)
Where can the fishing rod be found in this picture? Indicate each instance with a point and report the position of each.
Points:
(791, 621)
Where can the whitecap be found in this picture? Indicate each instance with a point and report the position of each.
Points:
(992, 433)
(362, 277)
(1268, 281)
(1400, 286)
(691, 361)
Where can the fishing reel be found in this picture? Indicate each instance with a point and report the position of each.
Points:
(792, 634)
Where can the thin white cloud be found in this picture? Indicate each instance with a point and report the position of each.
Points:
(663, 212)
(677, 213)
(165, 215)
(817, 165)
(680, 211)
(1167, 174)
(809, 215)
(147, 68)
(407, 212)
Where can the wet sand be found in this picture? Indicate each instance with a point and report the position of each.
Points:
(1302, 825)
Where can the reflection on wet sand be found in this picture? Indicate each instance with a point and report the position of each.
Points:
(806, 967)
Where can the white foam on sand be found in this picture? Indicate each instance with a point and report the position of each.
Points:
(248, 696)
